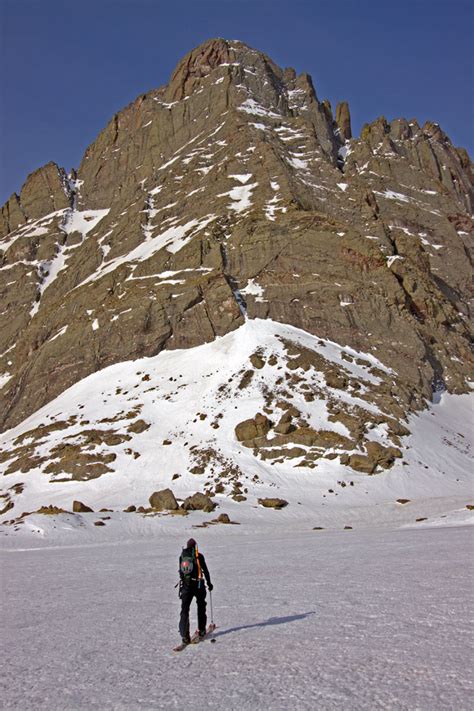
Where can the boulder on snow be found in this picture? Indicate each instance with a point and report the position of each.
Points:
(253, 428)
(163, 500)
(223, 518)
(385, 456)
(361, 463)
(270, 503)
(79, 507)
(199, 502)
(239, 497)
(377, 455)
(257, 361)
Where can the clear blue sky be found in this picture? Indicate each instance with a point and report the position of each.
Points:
(69, 65)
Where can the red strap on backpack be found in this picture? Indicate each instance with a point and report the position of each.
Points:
(198, 563)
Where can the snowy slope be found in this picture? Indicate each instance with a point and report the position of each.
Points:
(330, 621)
(169, 421)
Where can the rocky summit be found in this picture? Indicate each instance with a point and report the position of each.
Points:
(231, 198)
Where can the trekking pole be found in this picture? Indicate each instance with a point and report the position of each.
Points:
(212, 615)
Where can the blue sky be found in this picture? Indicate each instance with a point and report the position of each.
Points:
(69, 65)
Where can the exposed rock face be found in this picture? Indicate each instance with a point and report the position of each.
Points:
(232, 191)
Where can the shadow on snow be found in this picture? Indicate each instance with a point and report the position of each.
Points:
(266, 623)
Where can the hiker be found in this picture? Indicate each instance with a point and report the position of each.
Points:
(192, 571)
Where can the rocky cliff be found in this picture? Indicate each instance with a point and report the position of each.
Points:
(234, 193)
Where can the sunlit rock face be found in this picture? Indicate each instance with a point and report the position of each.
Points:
(233, 193)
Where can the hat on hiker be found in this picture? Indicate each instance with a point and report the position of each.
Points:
(191, 543)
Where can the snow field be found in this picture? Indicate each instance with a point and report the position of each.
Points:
(347, 620)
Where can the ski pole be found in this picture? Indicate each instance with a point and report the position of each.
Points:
(210, 599)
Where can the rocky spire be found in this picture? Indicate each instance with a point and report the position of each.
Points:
(343, 120)
(44, 191)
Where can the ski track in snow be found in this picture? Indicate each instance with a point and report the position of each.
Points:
(340, 620)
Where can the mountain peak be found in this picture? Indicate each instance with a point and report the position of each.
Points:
(198, 63)
(178, 224)
(209, 55)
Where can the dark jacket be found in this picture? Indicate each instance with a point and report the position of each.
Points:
(202, 563)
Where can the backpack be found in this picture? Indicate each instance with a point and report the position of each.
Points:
(188, 566)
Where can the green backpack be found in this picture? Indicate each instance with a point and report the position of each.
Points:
(188, 566)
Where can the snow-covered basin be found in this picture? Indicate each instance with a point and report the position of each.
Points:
(374, 619)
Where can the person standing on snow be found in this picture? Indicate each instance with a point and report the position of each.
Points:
(192, 571)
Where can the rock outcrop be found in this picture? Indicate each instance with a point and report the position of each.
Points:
(343, 120)
(79, 507)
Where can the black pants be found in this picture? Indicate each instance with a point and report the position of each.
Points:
(187, 594)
